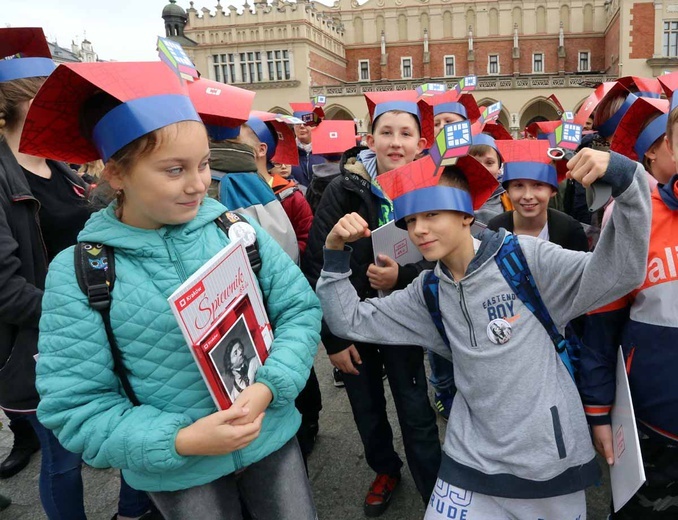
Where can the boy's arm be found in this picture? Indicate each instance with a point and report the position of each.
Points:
(573, 283)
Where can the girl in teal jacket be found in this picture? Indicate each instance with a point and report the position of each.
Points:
(194, 461)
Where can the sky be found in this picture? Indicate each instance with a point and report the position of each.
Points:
(122, 30)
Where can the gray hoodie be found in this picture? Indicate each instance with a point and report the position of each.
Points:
(517, 427)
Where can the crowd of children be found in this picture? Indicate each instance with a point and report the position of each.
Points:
(524, 290)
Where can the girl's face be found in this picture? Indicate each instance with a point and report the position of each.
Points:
(490, 160)
(395, 140)
(663, 165)
(283, 170)
(530, 198)
(167, 185)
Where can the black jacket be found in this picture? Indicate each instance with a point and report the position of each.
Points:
(349, 192)
(563, 229)
(23, 268)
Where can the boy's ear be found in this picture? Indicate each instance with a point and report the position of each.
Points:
(421, 145)
(468, 220)
(261, 150)
(370, 141)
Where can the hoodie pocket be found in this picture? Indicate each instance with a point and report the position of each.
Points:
(558, 432)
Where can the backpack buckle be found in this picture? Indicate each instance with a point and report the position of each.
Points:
(562, 345)
(99, 296)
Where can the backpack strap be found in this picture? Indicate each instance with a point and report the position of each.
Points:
(95, 272)
(235, 226)
(431, 286)
(514, 268)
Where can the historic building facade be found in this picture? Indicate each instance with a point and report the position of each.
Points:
(522, 51)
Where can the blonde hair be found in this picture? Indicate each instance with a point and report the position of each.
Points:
(12, 94)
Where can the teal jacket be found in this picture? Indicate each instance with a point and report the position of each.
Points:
(82, 400)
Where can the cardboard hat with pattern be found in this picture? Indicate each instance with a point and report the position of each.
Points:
(24, 53)
(463, 104)
(589, 106)
(527, 159)
(645, 87)
(541, 129)
(223, 108)
(148, 96)
(669, 83)
(641, 126)
(333, 137)
(496, 130)
(378, 103)
(311, 114)
(414, 187)
(273, 130)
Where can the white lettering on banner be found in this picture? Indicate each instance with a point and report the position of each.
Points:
(657, 266)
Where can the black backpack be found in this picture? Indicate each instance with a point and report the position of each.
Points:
(316, 188)
(95, 272)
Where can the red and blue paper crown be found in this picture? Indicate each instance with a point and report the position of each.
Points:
(496, 130)
(310, 113)
(527, 159)
(430, 89)
(463, 104)
(333, 137)
(223, 108)
(378, 103)
(633, 137)
(150, 94)
(414, 187)
(173, 55)
(24, 53)
(273, 130)
(541, 129)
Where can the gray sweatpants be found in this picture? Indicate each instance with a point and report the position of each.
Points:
(452, 503)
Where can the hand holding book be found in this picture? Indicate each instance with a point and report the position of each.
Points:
(254, 398)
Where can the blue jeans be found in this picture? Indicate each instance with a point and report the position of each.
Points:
(61, 482)
(442, 374)
(275, 488)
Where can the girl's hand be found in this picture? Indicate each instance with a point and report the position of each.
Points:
(254, 398)
(588, 165)
(351, 227)
(216, 434)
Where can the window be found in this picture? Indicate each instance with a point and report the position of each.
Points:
(406, 68)
(364, 70)
(224, 67)
(493, 64)
(537, 63)
(449, 66)
(671, 39)
(278, 65)
(250, 67)
(584, 61)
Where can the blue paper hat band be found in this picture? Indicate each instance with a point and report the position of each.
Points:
(220, 133)
(452, 107)
(138, 117)
(403, 106)
(264, 134)
(487, 140)
(433, 198)
(20, 68)
(534, 171)
(654, 95)
(650, 134)
(300, 114)
(608, 127)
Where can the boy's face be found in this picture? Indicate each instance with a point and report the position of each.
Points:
(438, 234)
(395, 140)
(530, 198)
(490, 160)
(445, 118)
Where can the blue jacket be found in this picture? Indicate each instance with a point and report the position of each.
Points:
(303, 173)
(81, 398)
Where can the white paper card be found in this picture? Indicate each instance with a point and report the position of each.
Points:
(394, 242)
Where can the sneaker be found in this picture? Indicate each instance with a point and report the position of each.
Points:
(338, 378)
(443, 404)
(379, 495)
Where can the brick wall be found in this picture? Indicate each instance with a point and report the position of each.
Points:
(641, 37)
(595, 45)
(336, 72)
(353, 57)
(612, 47)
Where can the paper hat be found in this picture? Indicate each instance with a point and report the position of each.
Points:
(430, 89)
(633, 137)
(414, 188)
(527, 159)
(541, 129)
(451, 101)
(173, 55)
(24, 53)
(379, 103)
(496, 130)
(333, 137)
(151, 98)
(645, 87)
(487, 140)
(592, 102)
(467, 84)
(223, 108)
(279, 138)
(310, 114)
(669, 83)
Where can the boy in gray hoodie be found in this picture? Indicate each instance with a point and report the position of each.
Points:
(518, 445)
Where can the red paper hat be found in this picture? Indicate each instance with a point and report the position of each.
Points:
(405, 101)
(529, 151)
(219, 104)
(633, 137)
(424, 173)
(593, 101)
(280, 139)
(496, 130)
(309, 113)
(646, 87)
(446, 101)
(542, 128)
(333, 137)
(669, 83)
(151, 95)
(24, 53)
